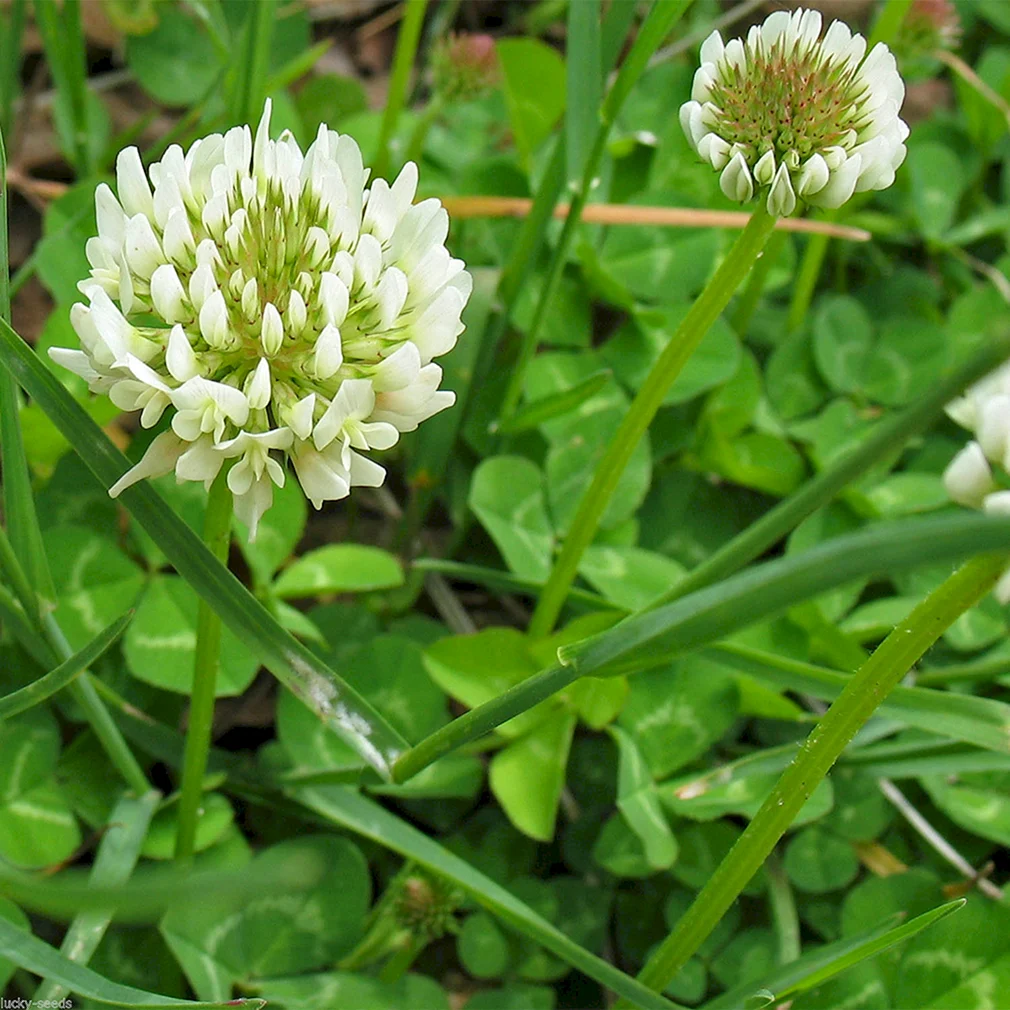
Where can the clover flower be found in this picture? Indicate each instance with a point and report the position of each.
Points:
(969, 479)
(803, 117)
(275, 305)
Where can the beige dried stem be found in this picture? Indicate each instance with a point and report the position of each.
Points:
(671, 217)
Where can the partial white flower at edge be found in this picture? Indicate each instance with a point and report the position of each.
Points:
(795, 117)
(297, 312)
(969, 479)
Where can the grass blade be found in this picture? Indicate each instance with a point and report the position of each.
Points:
(114, 862)
(984, 722)
(889, 436)
(399, 81)
(354, 812)
(30, 953)
(548, 407)
(711, 614)
(253, 63)
(45, 687)
(870, 948)
(341, 707)
(19, 506)
(583, 64)
(12, 26)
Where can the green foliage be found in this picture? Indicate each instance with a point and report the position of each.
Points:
(577, 789)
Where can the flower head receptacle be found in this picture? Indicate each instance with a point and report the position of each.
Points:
(278, 306)
(796, 117)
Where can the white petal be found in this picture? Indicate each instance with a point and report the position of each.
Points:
(764, 170)
(272, 330)
(214, 320)
(781, 198)
(398, 370)
(735, 181)
(712, 48)
(840, 187)
(334, 299)
(329, 353)
(180, 357)
(168, 294)
(259, 386)
(813, 176)
(160, 458)
(968, 478)
(141, 246)
(131, 181)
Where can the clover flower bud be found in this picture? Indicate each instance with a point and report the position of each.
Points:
(969, 479)
(246, 289)
(796, 116)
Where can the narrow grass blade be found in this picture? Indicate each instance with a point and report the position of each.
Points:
(45, 687)
(252, 63)
(12, 26)
(984, 722)
(114, 862)
(342, 708)
(889, 436)
(152, 890)
(354, 812)
(399, 80)
(583, 64)
(545, 409)
(863, 694)
(870, 948)
(13, 614)
(786, 975)
(711, 614)
(19, 506)
(30, 953)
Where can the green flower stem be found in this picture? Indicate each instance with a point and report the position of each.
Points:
(748, 300)
(399, 81)
(783, 908)
(806, 278)
(860, 699)
(889, 22)
(217, 536)
(888, 437)
(643, 409)
(396, 967)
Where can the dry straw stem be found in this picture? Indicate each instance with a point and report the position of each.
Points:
(613, 213)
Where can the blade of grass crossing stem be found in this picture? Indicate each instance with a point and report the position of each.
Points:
(399, 80)
(30, 953)
(867, 688)
(585, 84)
(887, 437)
(354, 812)
(217, 537)
(698, 321)
(46, 686)
(617, 23)
(253, 64)
(63, 40)
(338, 704)
(114, 862)
(12, 26)
(710, 614)
(661, 18)
(19, 505)
(871, 948)
(18, 624)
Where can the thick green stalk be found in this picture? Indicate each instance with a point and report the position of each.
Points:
(748, 301)
(854, 706)
(643, 409)
(889, 436)
(399, 81)
(216, 534)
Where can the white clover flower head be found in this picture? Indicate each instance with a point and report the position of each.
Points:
(969, 478)
(274, 304)
(796, 117)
